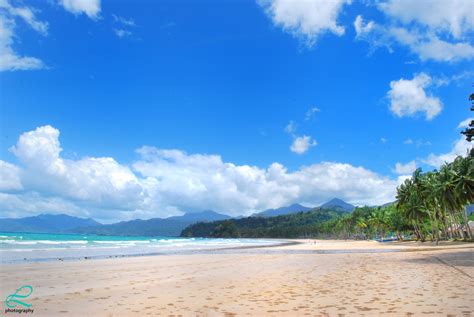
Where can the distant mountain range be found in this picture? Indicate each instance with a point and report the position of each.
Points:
(171, 226)
(46, 224)
(295, 208)
(333, 204)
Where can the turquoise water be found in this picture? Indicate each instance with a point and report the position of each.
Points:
(15, 247)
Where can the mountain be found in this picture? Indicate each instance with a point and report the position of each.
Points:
(338, 204)
(301, 224)
(45, 223)
(171, 226)
(295, 208)
(207, 215)
(388, 204)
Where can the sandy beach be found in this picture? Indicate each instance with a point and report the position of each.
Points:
(313, 278)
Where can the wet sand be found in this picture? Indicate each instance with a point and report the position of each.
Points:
(326, 278)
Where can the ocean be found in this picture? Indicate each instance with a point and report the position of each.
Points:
(36, 247)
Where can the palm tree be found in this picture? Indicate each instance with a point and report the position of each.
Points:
(463, 182)
(361, 225)
(445, 194)
(426, 199)
(408, 206)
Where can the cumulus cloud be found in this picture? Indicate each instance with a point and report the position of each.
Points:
(32, 203)
(454, 17)
(306, 19)
(206, 181)
(91, 8)
(459, 148)
(404, 169)
(165, 182)
(302, 144)
(93, 181)
(10, 60)
(9, 177)
(409, 97)
(439, 31)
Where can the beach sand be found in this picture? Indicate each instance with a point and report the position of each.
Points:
(282, 281)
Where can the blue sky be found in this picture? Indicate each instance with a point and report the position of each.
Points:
(219, 83)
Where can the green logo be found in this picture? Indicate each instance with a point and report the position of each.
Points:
(15, 299)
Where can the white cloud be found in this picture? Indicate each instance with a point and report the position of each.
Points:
(122, 33)
(290, 127)
(9, 177)
(302, 144)
(306, 19)
(465, 123)
(419, 143)
(27, 14)
(205, 181)
(89, 7)
(436, 30)
(361, 27)
(124, 21)
(90, 180)
(403, 169)
(311, 112)
(167, 182)
(442, 51)
(459, 148)
(409, 97)
(454, 17)
(31, 203)
(10, 60)
(383, 140)
(123, 26)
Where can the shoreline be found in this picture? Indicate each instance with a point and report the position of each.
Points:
(391, 247)
(281, 243)
(284, 280)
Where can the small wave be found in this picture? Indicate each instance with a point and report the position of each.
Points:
(33, 242)
(171, 240)
(7, 241)
(128, 242)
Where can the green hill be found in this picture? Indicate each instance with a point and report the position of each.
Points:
(286, 226)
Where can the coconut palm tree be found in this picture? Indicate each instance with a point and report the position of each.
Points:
(463, 182)
(408, 204)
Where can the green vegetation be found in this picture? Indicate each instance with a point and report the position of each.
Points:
(434, 203)
(302, 224)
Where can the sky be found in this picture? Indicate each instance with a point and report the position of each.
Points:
(119, 110)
